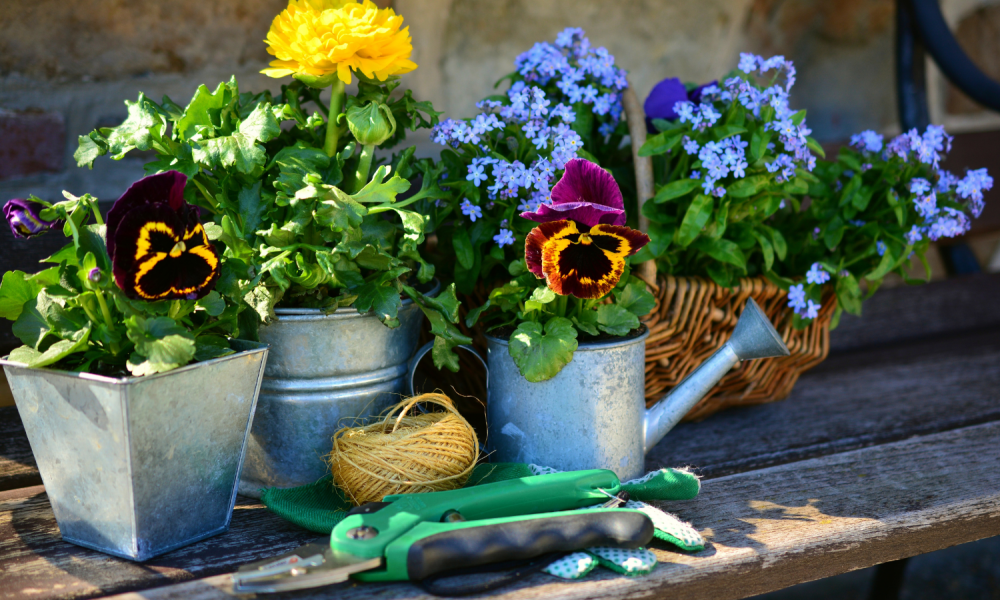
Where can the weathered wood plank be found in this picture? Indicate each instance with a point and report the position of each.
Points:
(776, 527)
(17, 465)
(913, 312)
(850, 401)
(36, 563)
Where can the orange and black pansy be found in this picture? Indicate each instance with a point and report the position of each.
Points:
(159, 249)
(585, 264)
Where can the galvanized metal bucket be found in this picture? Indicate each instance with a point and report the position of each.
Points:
(583, 418)
(139, 466)
(323, 372)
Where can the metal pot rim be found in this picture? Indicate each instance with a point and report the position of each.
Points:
(248, 347)
(589, 346)
(347, 312)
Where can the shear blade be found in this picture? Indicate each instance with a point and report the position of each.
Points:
(310, 566)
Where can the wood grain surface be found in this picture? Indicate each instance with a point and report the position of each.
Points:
(17, 465)
(912, 312)
(775, 527)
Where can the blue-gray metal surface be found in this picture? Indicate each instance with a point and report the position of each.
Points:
(323, 372)
(589, 416)
(139, 466)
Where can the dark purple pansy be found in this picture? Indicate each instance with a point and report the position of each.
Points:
(664, 95)
(587, 194)
(24, 217)
(159, 249)
(162, 188)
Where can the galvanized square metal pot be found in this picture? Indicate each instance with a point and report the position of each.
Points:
(139, 466)
(323, 372)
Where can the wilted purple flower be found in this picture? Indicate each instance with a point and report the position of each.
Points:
(24, 217)
(586, 194)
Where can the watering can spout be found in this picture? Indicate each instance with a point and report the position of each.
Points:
(753, 337)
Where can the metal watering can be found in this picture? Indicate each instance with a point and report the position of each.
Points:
(593, 414)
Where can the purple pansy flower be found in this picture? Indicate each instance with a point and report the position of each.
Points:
(660, 102)
(587, 194)
(162, 188)
(24, 217)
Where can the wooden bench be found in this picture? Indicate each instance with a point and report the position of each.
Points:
(887, 450)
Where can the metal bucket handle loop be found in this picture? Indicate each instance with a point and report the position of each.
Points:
(422, 352)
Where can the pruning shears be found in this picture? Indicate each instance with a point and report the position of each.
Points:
(416, 536)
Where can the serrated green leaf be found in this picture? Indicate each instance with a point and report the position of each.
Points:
(197, 117)
(380, 294)
(382, 190)
(143, 124)
(540, 352)
(260, 125)
(163, 342)
(87, 152)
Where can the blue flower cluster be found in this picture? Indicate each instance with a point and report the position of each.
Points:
(720, 159)
(929, 148)
(528, 113)
(807, 309)
(580, 72)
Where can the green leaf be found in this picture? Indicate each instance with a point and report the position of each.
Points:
(464, 252)
(695, 218)
(53, 354)
(242, 149)
(884, 266)
(660, 143)
(815, 147)
(252, 209)
(337, 210)
(834, 232)
(143, 124)
(849, 294)
(197, 116)
(543, 295)
(722, 250)
(724, 131)
(381, 190)
(635, 298)
(163, 343)
(473, 317)
(380, 294)
(16, 288)
(87, 152)
(778, 241)
(676, 189)
(748, 186)
(541, 352)
(586, 321)
(260, 125)
(442, 313)
(766, 248)
(758, 144)
(213, 304)
(208, 347)
(615, 320)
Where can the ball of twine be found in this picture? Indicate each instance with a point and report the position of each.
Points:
(405, 454)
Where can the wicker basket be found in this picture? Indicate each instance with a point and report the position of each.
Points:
(694, 317)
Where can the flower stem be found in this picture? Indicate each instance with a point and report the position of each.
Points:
(337, 97)
(364, 166)
(106, 313)
(96, 211)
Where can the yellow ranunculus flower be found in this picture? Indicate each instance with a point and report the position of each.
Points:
(318, 38)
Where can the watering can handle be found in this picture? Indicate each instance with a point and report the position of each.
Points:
(422, 352)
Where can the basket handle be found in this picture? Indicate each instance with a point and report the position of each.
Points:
(636, 119)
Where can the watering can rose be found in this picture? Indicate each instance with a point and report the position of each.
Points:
(582, 243)
(158, 248)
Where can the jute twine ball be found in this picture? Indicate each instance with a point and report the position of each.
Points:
(405, 454)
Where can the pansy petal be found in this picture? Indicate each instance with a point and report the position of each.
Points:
(163, 188)
(534, 243)
(161, 257)
(584, 181)
(660, 102)
(582, 212)
(585, 265)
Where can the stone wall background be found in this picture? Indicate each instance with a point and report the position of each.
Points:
(66, 67)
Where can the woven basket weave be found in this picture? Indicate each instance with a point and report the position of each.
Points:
(694, 317)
